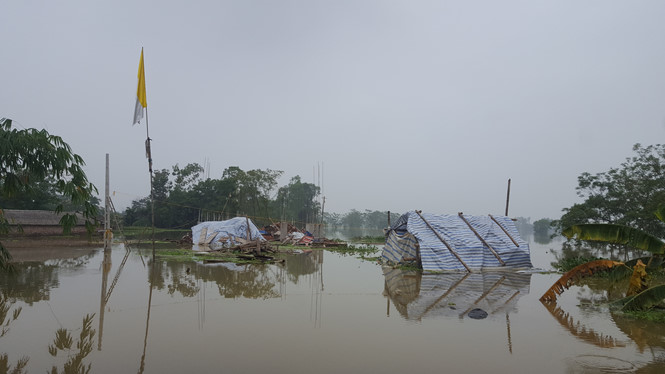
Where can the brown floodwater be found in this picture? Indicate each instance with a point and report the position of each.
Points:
(320, 312)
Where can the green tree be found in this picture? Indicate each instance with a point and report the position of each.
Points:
(180, 194)
(626, 195)
(376, 219)
(297, 201)
(354, 219)
(29, 156)
(542, 226)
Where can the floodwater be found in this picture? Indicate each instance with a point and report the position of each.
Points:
(321, 312)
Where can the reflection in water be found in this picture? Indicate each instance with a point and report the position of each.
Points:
(64, 343)
(416, 295)
(31, 283)
(253, 281)
(581, 331)
(475, 295)
(647, 335)
(152, 275)
(103, 299)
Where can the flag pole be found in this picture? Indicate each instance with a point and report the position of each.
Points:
(140, 110)
(148, 154)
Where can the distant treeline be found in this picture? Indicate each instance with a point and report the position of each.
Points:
(369, 219)
(183, 198)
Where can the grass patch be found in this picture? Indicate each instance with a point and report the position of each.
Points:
(353, 250)
(362, 251)
(145, 233)
(653, 315)
(369, 239)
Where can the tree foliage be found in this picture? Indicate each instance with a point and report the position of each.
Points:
(43, 168)
(297, 201)
(182, 196)
(627, 195)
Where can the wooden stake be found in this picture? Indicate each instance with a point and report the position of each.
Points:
(504, 230)
(443, 241)
(481, 239)
(508, 198)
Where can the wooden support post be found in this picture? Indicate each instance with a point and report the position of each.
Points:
(481, 239)
(249, 233)
(508, 198)
(504, 230)
(108, 235)
(443, 241)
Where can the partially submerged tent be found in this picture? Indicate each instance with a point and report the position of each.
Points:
(455, 242)
(227, 233)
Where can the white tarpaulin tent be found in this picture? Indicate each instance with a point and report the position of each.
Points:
(217, 234)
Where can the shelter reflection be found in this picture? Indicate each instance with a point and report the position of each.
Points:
(463, 295)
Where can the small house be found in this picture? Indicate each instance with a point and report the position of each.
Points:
(40, 222)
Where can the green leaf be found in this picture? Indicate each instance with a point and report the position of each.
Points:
(616, 234)
(660, 212)
(646, 299)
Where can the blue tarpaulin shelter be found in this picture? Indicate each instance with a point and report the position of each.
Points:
(456, 242)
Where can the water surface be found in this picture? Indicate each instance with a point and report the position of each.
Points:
(320, 312)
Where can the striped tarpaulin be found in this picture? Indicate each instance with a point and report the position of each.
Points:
(410, 231)
(419, 296)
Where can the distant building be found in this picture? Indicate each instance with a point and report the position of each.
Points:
(40, 222)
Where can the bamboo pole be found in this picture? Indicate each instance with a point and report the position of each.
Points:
(504, 230)
(508, 197)
(443, 241)
(481, 239)
(107, 209)
(148, 154)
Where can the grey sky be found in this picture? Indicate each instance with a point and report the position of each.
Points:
(427, 105)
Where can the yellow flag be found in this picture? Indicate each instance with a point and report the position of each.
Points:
(141, 101)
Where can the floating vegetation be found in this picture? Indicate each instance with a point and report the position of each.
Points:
(354, 250)
(369, 239)
(236, 257)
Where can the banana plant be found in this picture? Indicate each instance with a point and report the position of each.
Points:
(615, 234)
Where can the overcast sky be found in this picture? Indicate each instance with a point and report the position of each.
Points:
(428, 105)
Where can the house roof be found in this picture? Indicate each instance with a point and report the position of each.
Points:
(37, 217)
